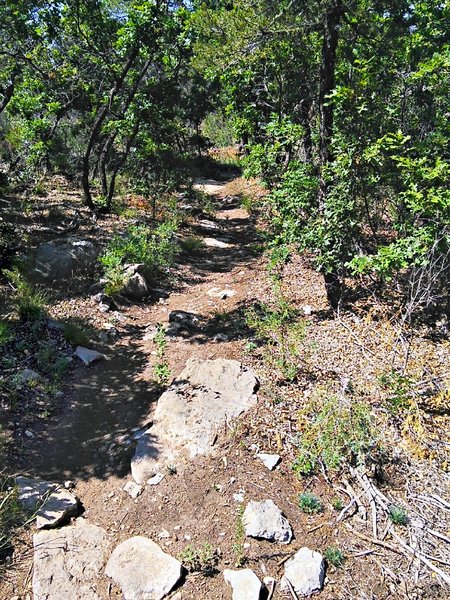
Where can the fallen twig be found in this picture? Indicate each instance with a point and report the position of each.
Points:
(366, 538)
(291, 589)
(272, 589)
(442, 574)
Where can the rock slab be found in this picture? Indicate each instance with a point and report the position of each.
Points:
(68, 562)
(269, 460)
(264, 520)
(205, 395)
(53, 504)
(305, 571)
(142, 570)
(245, 584)
(61, 258)
(88, 356)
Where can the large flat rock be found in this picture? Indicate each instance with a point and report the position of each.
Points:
(68, 563)
(52, 504)
(142, 570)
(206, 395)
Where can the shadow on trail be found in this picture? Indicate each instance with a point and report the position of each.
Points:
(94, 435)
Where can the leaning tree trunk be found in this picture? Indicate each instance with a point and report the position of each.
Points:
(327, 82)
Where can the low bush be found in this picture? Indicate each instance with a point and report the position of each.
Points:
(333, 429)
(310, 504)
(29, 302)
(155, 249)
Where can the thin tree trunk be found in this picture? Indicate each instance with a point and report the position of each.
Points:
(327, 82)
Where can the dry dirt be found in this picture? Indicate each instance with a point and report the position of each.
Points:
(87, 440)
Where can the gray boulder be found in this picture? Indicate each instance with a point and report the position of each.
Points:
(142, 570)
(62, 258)
(245, 584)
(135, 286)
(88, 356)
(206, 394)
(68, 562)
(305, 571)
(53, 504)
(264, 520)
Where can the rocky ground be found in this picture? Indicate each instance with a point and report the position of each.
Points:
(198, 480)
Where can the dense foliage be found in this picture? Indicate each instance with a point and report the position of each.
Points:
(341, 107)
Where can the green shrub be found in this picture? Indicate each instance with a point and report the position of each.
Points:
(334, 556)
(308, 503)
(5, 332)
(75, 335)
(203, 559)
(334, 430)
(192, 245)
(139, 244)
(50, 360)
(11, 515)
(398, 515)
(29, 302)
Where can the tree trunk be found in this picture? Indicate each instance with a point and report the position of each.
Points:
(327, 81)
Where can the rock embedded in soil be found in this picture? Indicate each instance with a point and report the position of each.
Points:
(88, 356)
(68, 562)
(54, 504)
(205, 395)
(223, 294)
(245, 584)
(135, 286)
(142, 570)
(133, 489)
(29, 376)
(264, 520)
(269, 460)
(214, 243)
(305, 571)
(61, 258)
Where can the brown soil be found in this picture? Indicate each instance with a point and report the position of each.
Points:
(87, 441)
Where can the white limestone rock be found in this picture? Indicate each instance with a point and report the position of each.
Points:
(142, 570)
(269, 460)
(88, 356)
(245, 584)
(68, 562)
(264, 520)
(305, 571)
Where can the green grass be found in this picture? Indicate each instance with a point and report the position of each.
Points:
(75, 334)
(11, 515)
(6, 332)
(398, 515)
(334, 557)
(201, 559)
(309, 503)
(29, 302)
(335, 430)
(192, 245)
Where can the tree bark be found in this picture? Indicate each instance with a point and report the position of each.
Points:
(327, 81)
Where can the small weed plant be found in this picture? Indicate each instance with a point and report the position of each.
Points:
(309, 503)
(161, 370)
(283, 334)
(11, 515)
(155, 249)
(192, 245)
(29, 302)
(202, 559)
(6, 333)
(398, 515)
(333, 429)
(75, 334)
(398, 388)
(239, 537)
(334, 556)
(337, 504)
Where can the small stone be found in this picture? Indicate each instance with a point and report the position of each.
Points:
(142, 570)
(155, 479)
(164, 535)
(29, 376)
(221, 337)
(133, 489)
(239, 497)
(269, 460)
(245, 584)
(29, 434)
(69, 485)
(88, 356)
(307, 310)
(214, 243)
(305, 571)
(264, 520)
(223, 294)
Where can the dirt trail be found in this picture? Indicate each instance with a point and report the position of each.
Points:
(92, 442)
